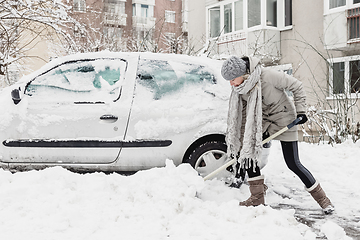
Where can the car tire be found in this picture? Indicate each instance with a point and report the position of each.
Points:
(208, 157)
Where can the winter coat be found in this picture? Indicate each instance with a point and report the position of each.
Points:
(278, 108)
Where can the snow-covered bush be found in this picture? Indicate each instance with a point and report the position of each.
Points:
(24, 22)
(331, 125)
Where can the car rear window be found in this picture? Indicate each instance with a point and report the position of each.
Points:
(166, 77)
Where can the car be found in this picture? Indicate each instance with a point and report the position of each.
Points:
(116, 112)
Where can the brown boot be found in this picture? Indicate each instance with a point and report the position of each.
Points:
(320, 197)
(257, 192)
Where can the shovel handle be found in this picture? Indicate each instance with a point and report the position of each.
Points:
(232, 161)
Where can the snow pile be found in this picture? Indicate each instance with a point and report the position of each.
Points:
(173, 202)
(155, 204)
(334, 231)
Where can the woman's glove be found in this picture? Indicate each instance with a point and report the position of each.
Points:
(303, 120)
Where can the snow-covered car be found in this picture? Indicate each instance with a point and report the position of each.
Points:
(116, 112)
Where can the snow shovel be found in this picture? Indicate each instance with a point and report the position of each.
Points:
(216, 171)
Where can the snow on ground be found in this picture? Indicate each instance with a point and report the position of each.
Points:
(175, 203)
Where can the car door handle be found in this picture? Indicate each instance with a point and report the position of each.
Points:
(109, 117)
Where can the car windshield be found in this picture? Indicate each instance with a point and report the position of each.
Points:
(164, 77)
(80, 77)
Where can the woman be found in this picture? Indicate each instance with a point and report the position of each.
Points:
(260, 106)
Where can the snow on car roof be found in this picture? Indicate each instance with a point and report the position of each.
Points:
(215, 64)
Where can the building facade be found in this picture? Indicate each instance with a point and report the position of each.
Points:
(316, 41)
(132, 25)
(116, 25)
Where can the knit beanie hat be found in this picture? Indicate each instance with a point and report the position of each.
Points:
(233, 67)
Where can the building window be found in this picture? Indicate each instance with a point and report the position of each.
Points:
(214, 15)
(338, 78)
(79, 5)
(345, 75)
(353, 23)
(114, 9)
(354, 76)
(228, 18)
(144, 10)
(142, 13)
(336, 3)
(254, 13)
(169, 16)
(288, 12)
(271, 13)
(239, 22)
(356, 1)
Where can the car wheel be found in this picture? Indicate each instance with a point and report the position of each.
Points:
(208, 157)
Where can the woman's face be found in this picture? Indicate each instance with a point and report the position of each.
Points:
(237, 81)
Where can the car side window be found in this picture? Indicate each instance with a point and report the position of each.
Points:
(166, 77)
(85, 80)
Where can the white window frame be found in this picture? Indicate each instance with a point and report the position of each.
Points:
(347, 93)
(137, 10)
(242, 15)
(276, 14)
(170, 16)
(208, 25)
(349, 5)
(262, 14)
(337, 2)
(222, 5)
(280, 17)
(354, 19)
(282, 20)
(232, 20)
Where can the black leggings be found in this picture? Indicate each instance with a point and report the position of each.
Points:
(291, 156)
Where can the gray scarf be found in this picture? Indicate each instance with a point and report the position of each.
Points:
(247, 141)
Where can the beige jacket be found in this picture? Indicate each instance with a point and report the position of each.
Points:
(278, 108)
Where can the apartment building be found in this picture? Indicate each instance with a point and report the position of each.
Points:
(137, 25)
(316, 41)
(116, 25)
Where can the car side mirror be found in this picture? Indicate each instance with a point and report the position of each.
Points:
(15, 94)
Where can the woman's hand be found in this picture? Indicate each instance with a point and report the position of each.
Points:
(303, 120)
